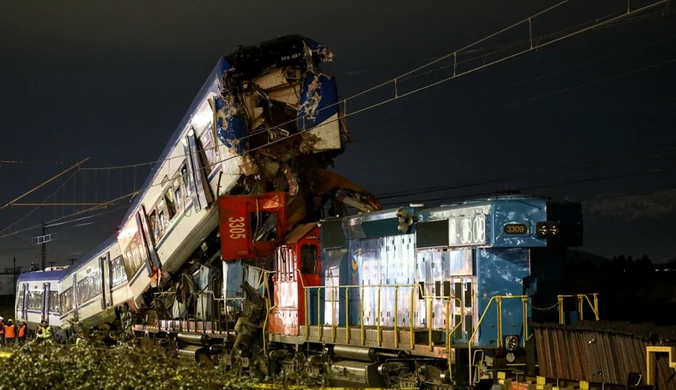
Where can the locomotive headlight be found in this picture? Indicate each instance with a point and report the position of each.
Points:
(547, 229)
(511, 343)
(554, 230)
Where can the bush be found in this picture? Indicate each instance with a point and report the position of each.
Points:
(94, 365)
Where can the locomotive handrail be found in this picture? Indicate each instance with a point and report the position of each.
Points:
(580, 305)
(498, 299)
(428, 299)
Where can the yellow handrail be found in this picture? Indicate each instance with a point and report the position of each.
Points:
(580, 305)
(650, 351)
(428, 299)
(498, 299)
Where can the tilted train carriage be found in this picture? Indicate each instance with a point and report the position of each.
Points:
(264, 119)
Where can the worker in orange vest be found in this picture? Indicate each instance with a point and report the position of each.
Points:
(23, 328)
(10, 333)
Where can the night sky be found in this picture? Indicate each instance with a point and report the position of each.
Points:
(111, 81)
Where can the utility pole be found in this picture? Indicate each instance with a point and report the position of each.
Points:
(14, 272)
(44, 246)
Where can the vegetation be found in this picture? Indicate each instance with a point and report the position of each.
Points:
(92, 364)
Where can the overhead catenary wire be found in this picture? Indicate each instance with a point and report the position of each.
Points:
(430, 85)
(557, 170)
(538, 186)
(596, 23)
(76, 165)
(28, 214)
(597, 81)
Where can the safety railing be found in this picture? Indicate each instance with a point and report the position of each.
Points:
(411, 289)
(581, 299)
(498, 302)
(650, 352)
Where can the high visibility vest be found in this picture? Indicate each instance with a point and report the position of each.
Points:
(45, 333)
(10, 332)
(22, 331)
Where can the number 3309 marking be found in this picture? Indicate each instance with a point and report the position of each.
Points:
(236, 228)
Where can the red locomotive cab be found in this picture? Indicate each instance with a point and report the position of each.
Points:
(298, 264)
(251, 226)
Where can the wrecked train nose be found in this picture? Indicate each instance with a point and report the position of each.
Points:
(321, 51)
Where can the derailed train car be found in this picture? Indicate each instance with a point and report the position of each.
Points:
(266, 119)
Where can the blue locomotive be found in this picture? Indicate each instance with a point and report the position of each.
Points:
(394, 296)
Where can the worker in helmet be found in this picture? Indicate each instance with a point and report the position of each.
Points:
(44, 333)
(23, 332)
(10, 333)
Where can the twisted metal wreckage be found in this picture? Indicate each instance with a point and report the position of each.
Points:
(279, 116)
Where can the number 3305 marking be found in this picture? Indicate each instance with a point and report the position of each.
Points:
(236, 228)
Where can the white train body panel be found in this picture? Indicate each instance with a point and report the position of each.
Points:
(37, 298)
(176, 210)
(94, 287)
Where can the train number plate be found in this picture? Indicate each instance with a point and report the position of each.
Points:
(516, 229)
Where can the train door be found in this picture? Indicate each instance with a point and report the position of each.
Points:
(75, 299)
(148, 242)
(197, 179)
(24, 310)
(45, 301)
(104, 265)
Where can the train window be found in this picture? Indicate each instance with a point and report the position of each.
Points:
(66, 300)
(54, 302)
(209, 149)
(155, 227)
(263, 226)
(164, 222)
(168, 198)
(119, 276)
(184, 175)
(35, 300)
(19, 300)
(138, 257)
(308, 259)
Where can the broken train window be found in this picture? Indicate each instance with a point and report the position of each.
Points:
(263, 226)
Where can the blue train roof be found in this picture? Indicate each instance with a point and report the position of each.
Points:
(41, 275)
(87, 257)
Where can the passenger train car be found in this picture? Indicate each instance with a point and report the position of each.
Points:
(237, 137)
(266, 118)
(37, 297)
(94, 286)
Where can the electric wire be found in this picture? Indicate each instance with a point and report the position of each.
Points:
(420, 89)
(557, 170)
(539, 186)
(596, 24)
